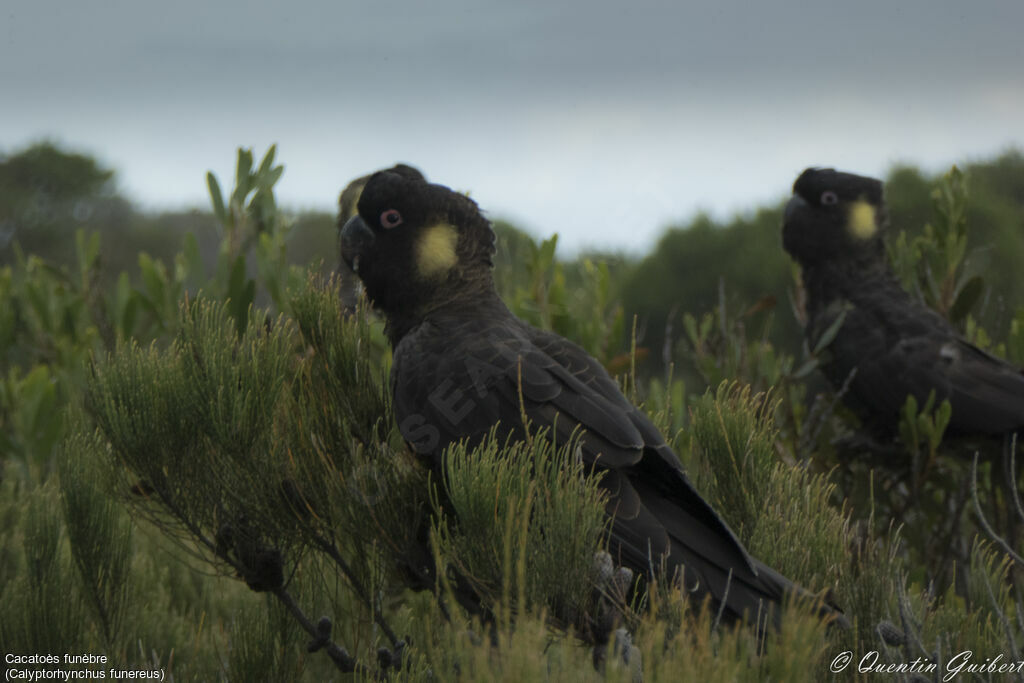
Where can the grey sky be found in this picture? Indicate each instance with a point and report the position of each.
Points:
(601, 121)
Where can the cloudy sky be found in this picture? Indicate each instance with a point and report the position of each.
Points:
(602, 121)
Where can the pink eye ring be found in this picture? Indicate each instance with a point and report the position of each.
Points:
(828, 198)
(390, 218)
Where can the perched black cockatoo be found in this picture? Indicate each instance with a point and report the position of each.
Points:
(464, 363)
(883, 344)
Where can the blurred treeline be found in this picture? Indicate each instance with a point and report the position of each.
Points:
(694, 266)
(47, 193)
(199, 457)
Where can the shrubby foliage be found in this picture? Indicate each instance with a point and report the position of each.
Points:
(215, 405)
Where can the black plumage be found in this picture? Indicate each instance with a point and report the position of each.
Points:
(884, 345)
(463, 363)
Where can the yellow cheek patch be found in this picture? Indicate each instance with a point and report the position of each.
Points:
(354, 206)
(435, 253)
(861, 222)
(348, 203)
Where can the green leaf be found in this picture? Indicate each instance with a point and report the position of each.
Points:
(236, 279)
(969, 294)
(216, 198)
(690, 325)
(546, 254)
(908, 423)
(929, 403)
(243, 176)
(241, 292)
(942, 417)
(806, 368)
(87, 248)
(706, 323)
(268, 180)
(192, 260)
(262, 207)
(268, 161)
(829, 335)
(153, 276)
(40, 420)
(126, 302)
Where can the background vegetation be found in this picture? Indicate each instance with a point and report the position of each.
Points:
(199, 458)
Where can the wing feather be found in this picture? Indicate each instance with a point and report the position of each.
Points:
(656, 510)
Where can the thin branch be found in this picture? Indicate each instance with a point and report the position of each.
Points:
(999, 540)
(817, 420)
(321, 634)
(1020, 614)
(1002, 618)
(1011, 478)
(357, 586)
(721, 605)
(912, 635)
